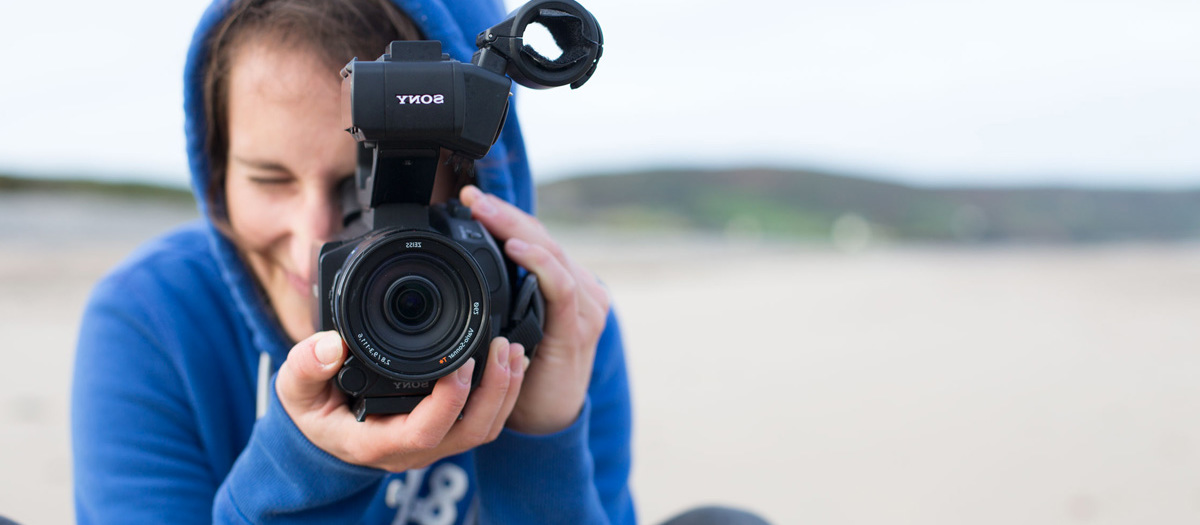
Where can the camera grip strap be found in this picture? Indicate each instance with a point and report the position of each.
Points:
(528, 316)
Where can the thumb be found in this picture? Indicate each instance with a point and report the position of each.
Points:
(304, 378)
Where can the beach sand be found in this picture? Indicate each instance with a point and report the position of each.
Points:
(898, 384)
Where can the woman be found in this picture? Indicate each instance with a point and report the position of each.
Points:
(201, 393)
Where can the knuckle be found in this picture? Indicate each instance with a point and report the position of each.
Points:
(570, 289)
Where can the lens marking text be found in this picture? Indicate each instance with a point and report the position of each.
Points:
(366, 345)
(466, 340)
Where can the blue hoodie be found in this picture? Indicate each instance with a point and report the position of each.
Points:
(175, 419)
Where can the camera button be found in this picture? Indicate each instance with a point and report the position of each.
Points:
(458, 211)
(352, 380)
(470, 233)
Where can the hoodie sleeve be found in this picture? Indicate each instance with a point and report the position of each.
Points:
(153, 410)
(281, 477)
(138, 456)
(579, 475)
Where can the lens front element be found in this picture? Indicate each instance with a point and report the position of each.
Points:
(412, 303)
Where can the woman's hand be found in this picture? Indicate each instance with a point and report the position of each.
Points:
(576, 312)
(403, 441)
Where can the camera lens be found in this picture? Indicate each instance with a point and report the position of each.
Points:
(412, 304)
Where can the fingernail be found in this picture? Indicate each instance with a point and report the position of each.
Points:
(483, 206)
(472, 191)
(502, 356)
(464, 373)
(526, 366)
(516, 246)
(517, 358)
(329, 349)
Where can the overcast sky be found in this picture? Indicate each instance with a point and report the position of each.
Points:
(926, 91)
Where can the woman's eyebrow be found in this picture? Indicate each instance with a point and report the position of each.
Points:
(266, 165)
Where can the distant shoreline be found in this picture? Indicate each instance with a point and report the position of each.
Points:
(849, 212)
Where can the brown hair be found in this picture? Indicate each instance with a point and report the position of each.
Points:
(335, 30)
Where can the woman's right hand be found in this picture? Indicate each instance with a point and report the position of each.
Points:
(403, 441)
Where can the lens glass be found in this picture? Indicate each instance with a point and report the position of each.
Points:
(412, 304)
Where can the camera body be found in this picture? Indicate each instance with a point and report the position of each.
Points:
(416, 289)
(422, 291)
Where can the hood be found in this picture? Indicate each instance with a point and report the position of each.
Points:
(504, 172)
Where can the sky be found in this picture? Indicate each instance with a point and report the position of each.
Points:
(930, 92)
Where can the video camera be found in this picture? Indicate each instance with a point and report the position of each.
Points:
(416, 289)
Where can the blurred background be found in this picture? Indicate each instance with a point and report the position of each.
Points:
(928, 262)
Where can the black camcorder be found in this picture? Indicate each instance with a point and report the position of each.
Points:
(416, 289)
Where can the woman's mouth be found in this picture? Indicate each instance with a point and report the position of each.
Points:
(301, 285)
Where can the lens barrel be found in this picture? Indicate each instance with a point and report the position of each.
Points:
(412, 305)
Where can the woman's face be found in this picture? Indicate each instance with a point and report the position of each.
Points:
(288, 151)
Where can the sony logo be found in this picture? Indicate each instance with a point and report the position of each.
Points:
(408, 385)
(421, 99)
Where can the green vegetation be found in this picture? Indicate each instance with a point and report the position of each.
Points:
(806, 205)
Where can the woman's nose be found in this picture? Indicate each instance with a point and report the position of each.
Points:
(324, 216)
(321, 221)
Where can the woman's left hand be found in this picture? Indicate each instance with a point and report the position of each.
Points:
(577, 305)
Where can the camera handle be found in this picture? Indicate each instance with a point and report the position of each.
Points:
(502, 48)
(408, 105)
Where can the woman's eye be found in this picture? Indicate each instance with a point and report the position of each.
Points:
(271, 181)
(336, 189)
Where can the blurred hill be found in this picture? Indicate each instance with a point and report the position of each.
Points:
(807, 205)
(168, 195)
(812, 206)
